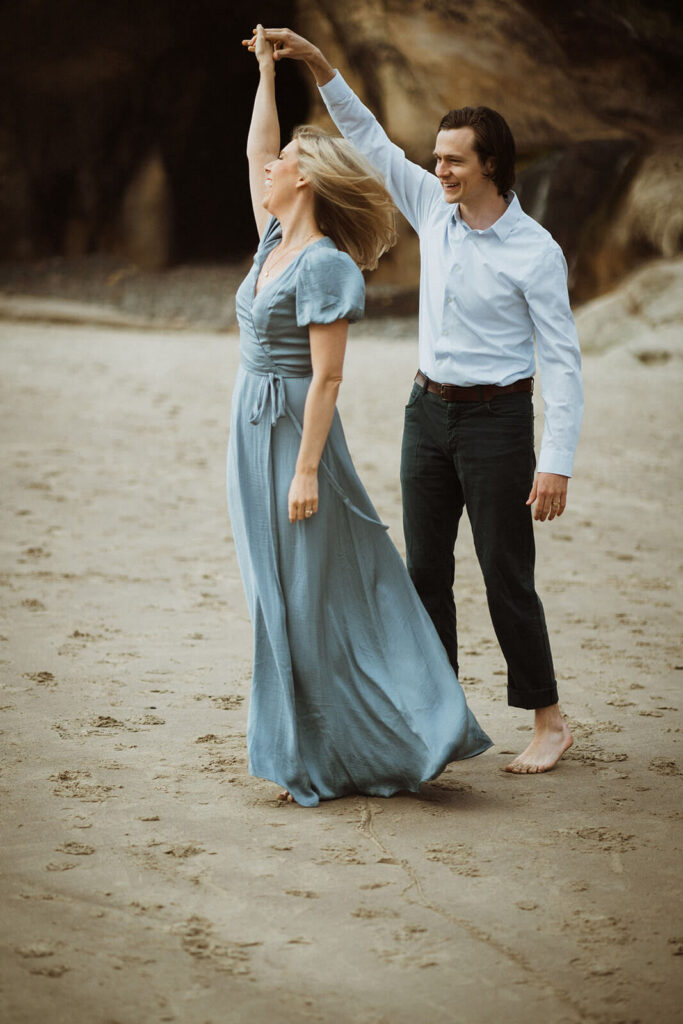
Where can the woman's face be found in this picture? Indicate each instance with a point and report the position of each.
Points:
(283, 178)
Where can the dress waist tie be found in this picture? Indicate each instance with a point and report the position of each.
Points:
(271, 394)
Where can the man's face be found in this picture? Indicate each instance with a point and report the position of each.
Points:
(458, 168)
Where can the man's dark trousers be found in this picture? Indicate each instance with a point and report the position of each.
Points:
(480, 456)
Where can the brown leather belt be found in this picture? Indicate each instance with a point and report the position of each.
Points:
(475, 393)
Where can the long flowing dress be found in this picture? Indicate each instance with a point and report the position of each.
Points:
(352, 691)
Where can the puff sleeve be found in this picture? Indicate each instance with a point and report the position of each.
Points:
(329, 287)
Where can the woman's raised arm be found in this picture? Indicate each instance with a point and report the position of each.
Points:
(263, 141)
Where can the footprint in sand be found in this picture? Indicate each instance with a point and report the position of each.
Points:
(42, 678)
(663, 766)
(197, 940)
(229, 702)
(373, 913)
(79, 821)
(183, 851)
(77, 641)
(36, 951)
(608, 840)
(593, 755)
(219, 765)
(50, 970)
(340, 855)
(36, 552)
(72, 783)
(458, 857)
(76, 849)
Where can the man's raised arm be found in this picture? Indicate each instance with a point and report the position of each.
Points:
(413, 189)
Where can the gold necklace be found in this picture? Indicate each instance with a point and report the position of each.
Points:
(285, 252)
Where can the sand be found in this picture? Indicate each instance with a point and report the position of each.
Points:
(148, 878)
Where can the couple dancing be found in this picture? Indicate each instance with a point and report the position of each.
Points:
(355, 685)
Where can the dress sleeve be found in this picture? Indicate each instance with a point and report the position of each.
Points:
(329, 287)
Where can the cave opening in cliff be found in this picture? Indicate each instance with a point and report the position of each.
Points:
(123, 127)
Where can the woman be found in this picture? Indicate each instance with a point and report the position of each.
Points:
(352, 691)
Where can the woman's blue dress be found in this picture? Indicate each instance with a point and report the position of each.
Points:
(352, 691)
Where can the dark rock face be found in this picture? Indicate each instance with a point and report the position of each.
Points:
(573, 193)
(592, 91)
(91, 93)
(123, 127)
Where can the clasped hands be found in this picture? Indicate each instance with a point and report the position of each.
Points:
(286, 43)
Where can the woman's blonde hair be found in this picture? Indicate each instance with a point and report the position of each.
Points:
(352, 206)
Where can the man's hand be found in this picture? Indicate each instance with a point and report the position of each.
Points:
(550, 494)
(288, 44)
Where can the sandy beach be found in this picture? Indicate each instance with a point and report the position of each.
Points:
(148, 878)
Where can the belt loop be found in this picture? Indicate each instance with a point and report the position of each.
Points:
(425, 386)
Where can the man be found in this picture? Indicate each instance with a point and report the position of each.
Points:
(492, 279)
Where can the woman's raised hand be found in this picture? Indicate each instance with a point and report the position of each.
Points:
(260, 47)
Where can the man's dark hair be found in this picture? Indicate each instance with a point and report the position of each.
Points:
(492, 138)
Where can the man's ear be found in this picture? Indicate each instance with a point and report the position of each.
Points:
(489, 166)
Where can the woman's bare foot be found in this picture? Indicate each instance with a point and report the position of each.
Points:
(286, 797)
(551, 738)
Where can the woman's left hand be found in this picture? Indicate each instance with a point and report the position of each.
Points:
(303, 496)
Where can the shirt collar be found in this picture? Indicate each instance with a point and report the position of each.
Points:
(505, 223)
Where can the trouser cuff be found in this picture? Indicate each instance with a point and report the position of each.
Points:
(532, 700)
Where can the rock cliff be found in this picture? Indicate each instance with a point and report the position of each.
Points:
(122, 128)
(592, 92)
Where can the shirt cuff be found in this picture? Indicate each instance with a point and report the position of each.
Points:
(556, 461)
(334, 90)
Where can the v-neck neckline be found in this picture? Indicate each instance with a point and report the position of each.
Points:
(257, 291)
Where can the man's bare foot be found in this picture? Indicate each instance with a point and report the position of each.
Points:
(286, 797)
(551, 738)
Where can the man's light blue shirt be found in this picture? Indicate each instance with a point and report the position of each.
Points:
(484, 295)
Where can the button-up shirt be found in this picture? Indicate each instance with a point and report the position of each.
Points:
(485, 296)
